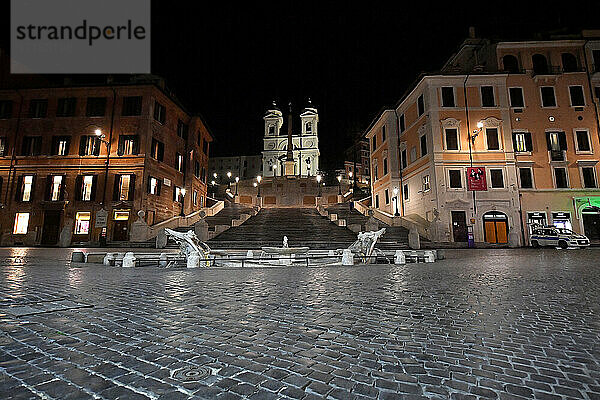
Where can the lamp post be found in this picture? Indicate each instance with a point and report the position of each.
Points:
(350, 174)
(182, 193)
(237, 180)
(228, 179)
(472, 137)
(102, 137)
(213, 183)
(258, 179)
(339, 178)
(396, 214)
(319, 177)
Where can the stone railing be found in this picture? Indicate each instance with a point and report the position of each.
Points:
(141, 232)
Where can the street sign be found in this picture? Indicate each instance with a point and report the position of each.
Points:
(101, 218)
(476, 179)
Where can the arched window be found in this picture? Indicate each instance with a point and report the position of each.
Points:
(569, 62)
(511, 64)
(271, 129)
(540, 64)
(308, 127)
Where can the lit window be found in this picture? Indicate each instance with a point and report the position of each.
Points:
(121, 215)
(128, 146)
(195, 197)
(179, 162)
(82, 222)
(178, 194)
(2, 146)
(520, 142)
(124, 187)
(56, 187)
(88, 183)
(21, 223)
(61, 147)
(27, 186)
(426, 184)
(153, 185)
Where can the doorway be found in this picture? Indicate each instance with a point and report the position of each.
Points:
(51, 228)
(591, 223)
(495, 227)
(459, 226)
(120, 225)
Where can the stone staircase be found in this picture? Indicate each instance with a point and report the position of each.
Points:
(302, 226)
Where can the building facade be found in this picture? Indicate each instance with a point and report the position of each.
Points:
(242, 167)
(356, 165)
(305, 143)
(78, 163)
(523, 115)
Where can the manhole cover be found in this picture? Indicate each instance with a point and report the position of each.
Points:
(191, 374)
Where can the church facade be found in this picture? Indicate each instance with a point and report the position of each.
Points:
(305, 143)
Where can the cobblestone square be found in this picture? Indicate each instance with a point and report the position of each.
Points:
(506, 324)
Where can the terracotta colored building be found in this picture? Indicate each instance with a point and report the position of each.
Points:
(78, 162)
(524, 115)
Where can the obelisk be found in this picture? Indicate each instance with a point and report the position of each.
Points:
(289, 163)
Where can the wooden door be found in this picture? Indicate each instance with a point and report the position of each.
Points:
(120, 231)
(459, 226)
(501, 232)
(490, 231)
(51, 229)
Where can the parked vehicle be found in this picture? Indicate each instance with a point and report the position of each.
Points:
(557, 237)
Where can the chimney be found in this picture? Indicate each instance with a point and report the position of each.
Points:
(472, 32)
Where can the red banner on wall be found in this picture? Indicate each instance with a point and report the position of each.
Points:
(476, 178)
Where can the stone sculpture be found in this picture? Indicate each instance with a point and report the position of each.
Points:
(365, 245)
(189, 246)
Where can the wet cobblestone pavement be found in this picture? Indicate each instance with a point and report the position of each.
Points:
(507, 324)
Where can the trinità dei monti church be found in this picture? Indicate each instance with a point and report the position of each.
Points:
(303, 141)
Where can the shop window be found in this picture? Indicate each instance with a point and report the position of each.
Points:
(121, 215)
(82, 222)
(21, 223)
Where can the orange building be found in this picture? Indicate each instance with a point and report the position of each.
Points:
(77, 163)
(523, 115)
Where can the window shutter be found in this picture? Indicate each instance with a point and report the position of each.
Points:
(68, 146)
(528, 142)
(158, 187)
(24, 146)
(97, 144)
(63, 183)
(78, 187)
(174, 193)
(82, 143)
(33, 179)
(48, 192)
(514, 137)
(148, 187)
(136, 144)
(94, 188)
(548, 141)
(19, 191)
(116, 187)
(131, 187)
(161, 151)
(37, 146)
(121, 145)
(562, 140)
(54, 149)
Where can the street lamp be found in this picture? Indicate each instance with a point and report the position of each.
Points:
(237, 179)
(396, 214)
(339, 178)
(319, 177)
(182, 193)
(102, 137)
(258, 179)
(228, 179)
(214, 183)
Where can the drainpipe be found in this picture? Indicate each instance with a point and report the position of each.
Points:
(110, 135)
(8, 198)
(469, 137)
(401, 188)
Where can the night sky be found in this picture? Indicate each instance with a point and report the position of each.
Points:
(229, 62)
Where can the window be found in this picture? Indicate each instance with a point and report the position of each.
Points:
(557, 145)
(128, 145)
(522, 142)
(26, 188)
(203, 175)
(89, 145)
(177, 194)
(124, 187)
(271, 129)
(540, 65)
(487, 96)
(526, 178)
(451, 138)
(3, 147)
(60, 145)
(66, 107)
(21, 223)
(154, 186)
(404, 159)
(402, 124)
(576, 93)
(582, 140)
(516, 97)
(376, 201)
(385, 166)
(55, 185)
(5, 109)
(405, 191)
(160, 112)
(493, 142)
(383, 134)
(455, 178)
(205, 146)
(196, 169)
(32, 146)
(158, 150)
(182, 129)
(423, 145)
(132, 105)
(448, 97)
(413, 154)
(597, 92)
(560, 178)
(38, 108)
(511, 64)
(548, 98)
(426, 183)
(589, 177)
(387, 196)
(82, 222)
(374, 142)
(308, 127)
(497, 178)
(86, 185)
(179, 162)
(569, 62)
(95, 106)
(375, 171)
(421, 105)
(596, 59)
